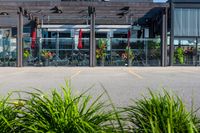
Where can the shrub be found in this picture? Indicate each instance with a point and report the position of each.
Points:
(65, 113)
(160, 114)
(8, 116)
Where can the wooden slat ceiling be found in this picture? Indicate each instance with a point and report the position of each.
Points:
(77, 12)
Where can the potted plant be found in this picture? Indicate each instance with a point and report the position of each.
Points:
(26, 56)
(47, 56)
(101, 51)
(179, 55)
(128, 55)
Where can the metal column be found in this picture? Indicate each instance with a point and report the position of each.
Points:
(164, 37)
(20, 40)
(171, 35)
(57, 45)
(91, 11)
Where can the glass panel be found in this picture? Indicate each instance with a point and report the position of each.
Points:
(186, 22)
(147, 52)
(119, 43)
(7, 48)
(118, 46)
(142, 52)
(177, 22)
(184, 51)
(29, 54)
(62, 52)
(7, 52)
(103, 53)
(198, 53)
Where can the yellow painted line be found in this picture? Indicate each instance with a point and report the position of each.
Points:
(74, 75)
(135, 74)
(12, 73)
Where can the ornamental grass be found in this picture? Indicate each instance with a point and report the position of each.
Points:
(161, 113)
(63, 112)
(66, 113)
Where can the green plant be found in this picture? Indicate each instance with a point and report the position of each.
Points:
(179, 55)
(26, 54)
(101, 49)
(65, 113)
(128, 55)
(8, 116)
(161, 114)
(47, 54)
(154, 49)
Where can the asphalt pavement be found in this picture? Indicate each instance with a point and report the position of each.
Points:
(122, 83)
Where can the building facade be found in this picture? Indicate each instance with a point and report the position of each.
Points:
(185, 32)
(99, 33)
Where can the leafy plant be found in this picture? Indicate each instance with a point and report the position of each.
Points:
(47, 54)
(8, 116)
(101, 49)
(65, 113)
(160, 114)
(26, 54)
(129, 53)
(179, 55)
(154, 49)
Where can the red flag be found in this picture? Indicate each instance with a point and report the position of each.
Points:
(33, 36)
(80, 44)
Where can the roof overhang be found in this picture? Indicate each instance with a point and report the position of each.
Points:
(107, 13)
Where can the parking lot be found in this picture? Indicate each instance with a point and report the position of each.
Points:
(122, 83)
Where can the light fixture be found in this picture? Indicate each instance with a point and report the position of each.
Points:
(4, 13)
(25, 13)
(125, 11)
(30, 17)
(126, 8)
(56, 10)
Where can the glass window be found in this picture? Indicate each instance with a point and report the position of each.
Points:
(7, 48)
(184, 51)
(186, 22)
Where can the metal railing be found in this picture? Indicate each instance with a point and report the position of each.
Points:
(64, 52)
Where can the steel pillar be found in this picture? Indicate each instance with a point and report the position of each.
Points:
(171, 56)
(20, 40)
(92, 37)
(164, 38)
